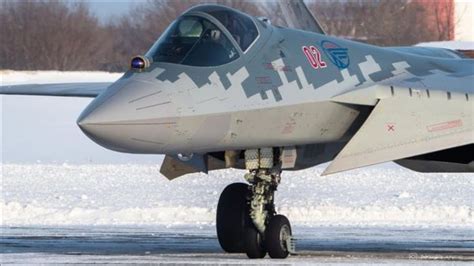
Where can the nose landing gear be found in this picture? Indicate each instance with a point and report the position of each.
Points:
(246, 218)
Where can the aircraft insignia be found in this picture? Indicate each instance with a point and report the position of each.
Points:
(338, 55)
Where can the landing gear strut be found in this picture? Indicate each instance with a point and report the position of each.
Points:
(246, 218)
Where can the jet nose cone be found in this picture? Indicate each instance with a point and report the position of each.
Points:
(89, 116)
(101, 120)
(96, 121)
(84, 119)
(87, 120)
(129, 119)
(99, 111)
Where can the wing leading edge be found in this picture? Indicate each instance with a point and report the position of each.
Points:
(64, 89)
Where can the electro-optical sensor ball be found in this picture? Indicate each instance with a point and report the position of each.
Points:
(139, 63)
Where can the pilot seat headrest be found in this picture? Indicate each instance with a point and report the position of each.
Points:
(215, 35)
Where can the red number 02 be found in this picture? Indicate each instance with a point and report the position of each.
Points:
(314, 57)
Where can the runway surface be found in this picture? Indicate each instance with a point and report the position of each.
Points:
(198, 245)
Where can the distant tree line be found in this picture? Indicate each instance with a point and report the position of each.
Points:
(56, 35)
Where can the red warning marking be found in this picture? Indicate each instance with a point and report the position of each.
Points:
(444, 125)
(390, 127)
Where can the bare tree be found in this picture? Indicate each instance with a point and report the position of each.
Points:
(443, 13)
(49, 35)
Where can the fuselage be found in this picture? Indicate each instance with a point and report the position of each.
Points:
(275, 93)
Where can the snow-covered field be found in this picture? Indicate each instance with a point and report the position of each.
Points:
(39, 194)
(119, 213)
(52, 176)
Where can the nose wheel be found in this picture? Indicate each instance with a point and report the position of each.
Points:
(246, 219)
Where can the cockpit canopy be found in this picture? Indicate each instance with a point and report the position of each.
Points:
(240, 26)
(196, 40)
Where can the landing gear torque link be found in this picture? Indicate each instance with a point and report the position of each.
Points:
(246, 217)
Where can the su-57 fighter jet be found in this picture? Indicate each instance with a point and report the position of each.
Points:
(222, 89)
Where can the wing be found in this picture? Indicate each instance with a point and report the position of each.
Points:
(411, 117)
(63, 89)
(298, 16)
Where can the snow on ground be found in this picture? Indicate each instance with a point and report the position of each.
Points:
(138, 195)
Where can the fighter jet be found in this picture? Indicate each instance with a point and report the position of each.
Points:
(221, 89)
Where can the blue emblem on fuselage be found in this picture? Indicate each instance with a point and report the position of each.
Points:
(338, 55)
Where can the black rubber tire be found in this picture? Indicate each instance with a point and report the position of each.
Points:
(232, 218)
(273, 242)
(254, 244)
